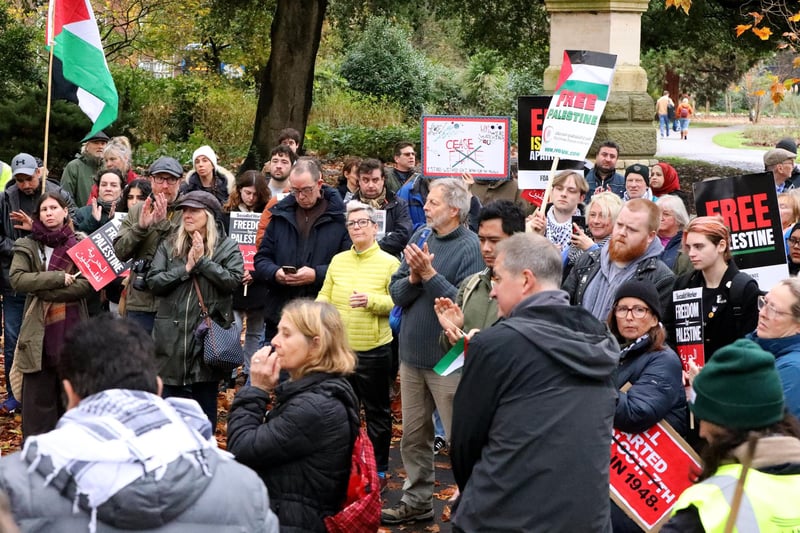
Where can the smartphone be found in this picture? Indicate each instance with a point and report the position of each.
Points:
(289, 269)
(423, 237)
(580, 221)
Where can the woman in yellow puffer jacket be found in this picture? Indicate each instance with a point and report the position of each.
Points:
(357, 284)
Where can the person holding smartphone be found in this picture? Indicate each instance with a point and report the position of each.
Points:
(306, 230)
(555, 222)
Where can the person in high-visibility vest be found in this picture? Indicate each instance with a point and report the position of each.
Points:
(5, 175)
(738, 394)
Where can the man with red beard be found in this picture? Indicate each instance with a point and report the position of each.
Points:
(632, 253)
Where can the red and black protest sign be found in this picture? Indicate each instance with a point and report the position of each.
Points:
(534, 166)
(748, 205)
(688, 308)
(95, 256)
(649, 470)
(243, 230)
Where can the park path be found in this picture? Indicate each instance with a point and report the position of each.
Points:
(700, 147)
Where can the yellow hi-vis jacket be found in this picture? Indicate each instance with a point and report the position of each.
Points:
(770, 503)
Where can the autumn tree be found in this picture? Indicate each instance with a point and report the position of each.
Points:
(287, 82)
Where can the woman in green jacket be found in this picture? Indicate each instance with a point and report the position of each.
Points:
(198, 250)
(357, 284)
(56, 301)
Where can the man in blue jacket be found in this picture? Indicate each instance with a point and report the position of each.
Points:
(306, 230)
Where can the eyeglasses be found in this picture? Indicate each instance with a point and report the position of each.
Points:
(771, 310)
(638, 311)
(305, 191)
(172, 180)
(136, 197)
(361, 223)
(794, 243)
(408, 153)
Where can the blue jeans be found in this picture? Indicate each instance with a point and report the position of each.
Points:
(663, 125)
(13, 311)
(254, 333)
(684, 124)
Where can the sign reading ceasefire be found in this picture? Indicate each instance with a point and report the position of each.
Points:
(748, 205)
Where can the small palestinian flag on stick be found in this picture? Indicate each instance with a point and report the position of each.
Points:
(452, 360)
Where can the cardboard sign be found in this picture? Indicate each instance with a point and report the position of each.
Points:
(582, 90)
(243, 230)
(649, 471)
(688, 306)
(454, 145)
(748, 205)
(95, 256)
(534, 165)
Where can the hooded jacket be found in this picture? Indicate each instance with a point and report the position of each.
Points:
(532, 421)
(78, 177)
(787, 362)
(302, 449)
(181, 498)
(224, 183)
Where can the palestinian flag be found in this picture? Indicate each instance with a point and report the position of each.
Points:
(452, 360)
(584, 84)
(80, 71)
(586, 72)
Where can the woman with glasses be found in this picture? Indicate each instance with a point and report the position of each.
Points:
(650, 375)
(729, 296)
(357, 284)
(778, 332)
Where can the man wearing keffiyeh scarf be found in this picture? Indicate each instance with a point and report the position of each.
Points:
(122, 458)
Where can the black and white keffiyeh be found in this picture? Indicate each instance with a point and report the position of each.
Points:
(111, 439)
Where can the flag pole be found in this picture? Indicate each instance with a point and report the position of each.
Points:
(49, 91)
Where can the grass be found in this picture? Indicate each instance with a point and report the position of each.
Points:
(735, 140)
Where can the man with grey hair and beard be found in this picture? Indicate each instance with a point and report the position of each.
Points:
(433, 267)
(632, 253)
(534, 411)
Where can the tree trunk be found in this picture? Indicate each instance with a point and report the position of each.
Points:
(288, 80)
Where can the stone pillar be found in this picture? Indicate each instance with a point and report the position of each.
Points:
(614, 27)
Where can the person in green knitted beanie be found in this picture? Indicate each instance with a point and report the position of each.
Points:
(739, 388)
(739, 401)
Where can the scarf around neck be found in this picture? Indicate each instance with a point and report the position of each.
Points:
(115, 437)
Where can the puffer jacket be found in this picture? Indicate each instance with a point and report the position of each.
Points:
(656, 391)
(302, 450)
(369, 272)
(283, 246)
(29, 275)
(133, 242)
(179, 500)
(224, 183)
(179, 353)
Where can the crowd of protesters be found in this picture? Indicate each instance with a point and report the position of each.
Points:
(566, 321)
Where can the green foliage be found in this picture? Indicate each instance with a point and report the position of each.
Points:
(768, 136)
(342, 106)
(173, 116)
(383, 63)
(701, 48)
(486, 87)
(17, 58)
(330, 141)
(22, 128)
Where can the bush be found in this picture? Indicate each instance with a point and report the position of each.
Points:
(383, 63)
(342, 106)
(332, 142)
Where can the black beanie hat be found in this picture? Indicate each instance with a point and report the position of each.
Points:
(788, 144)
(642, 170)
(739, 388)
(646, 292)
